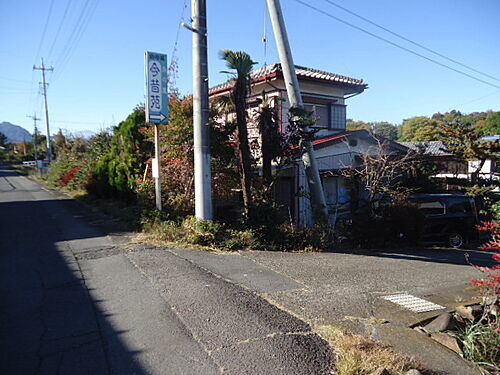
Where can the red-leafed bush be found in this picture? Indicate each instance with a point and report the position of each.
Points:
(480, 337)
(490, 284)
(68, 177)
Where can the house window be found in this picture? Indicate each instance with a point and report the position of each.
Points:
(338, 114)
(321, 112)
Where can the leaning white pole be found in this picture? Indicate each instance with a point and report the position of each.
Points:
(202, 160)
(293, 90)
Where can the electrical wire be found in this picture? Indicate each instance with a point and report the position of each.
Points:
(44, 30)
(171, 75)
(264, 35)
(174, 49)
(75, 36)
(474, 100)
(14, 80)
(410, 41)
(395, 44)
(59, 29)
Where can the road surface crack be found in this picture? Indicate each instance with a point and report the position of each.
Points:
(265, 337)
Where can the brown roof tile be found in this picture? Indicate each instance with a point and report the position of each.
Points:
(301, 72)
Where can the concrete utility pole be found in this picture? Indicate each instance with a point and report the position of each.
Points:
(293, 90)
(35, 141)
(202, 160)
(44, 86)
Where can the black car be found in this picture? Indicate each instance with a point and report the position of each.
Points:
(449, 218)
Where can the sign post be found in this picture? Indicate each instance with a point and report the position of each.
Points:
(156, 107)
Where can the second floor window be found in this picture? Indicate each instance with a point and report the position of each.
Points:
(329, 116)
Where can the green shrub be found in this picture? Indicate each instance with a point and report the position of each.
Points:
(116, 173)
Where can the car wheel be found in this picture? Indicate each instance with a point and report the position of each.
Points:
(456, 240)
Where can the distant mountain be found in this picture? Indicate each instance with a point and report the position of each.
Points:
(15, 133)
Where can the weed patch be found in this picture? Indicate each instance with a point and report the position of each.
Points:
(357, 355)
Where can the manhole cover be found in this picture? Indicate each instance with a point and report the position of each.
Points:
(413, 303)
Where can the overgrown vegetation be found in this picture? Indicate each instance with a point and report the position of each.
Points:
(116, 165)
(358, 355)
(480, 337)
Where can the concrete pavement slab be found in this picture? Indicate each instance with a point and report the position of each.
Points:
(240, 270)
(305, 354)
(135, 316)
(218, 313)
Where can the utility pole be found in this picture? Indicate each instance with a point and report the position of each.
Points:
(35, 136)
(293, 91)
(202, 160)
(44, 87)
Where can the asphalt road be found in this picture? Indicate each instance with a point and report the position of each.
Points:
(73, 300)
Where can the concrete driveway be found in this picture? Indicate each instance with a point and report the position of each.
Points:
(346, 289)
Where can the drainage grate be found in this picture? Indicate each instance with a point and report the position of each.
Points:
(413, 303)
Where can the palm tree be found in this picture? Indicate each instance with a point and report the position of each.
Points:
(242, 64)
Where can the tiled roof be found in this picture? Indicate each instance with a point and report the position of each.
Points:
(302, 72)
(428, 148)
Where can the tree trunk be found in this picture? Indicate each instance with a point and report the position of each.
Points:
(474, 175)
(239, 95)
(266, 157)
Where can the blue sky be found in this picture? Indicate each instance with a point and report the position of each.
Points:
(101, 78)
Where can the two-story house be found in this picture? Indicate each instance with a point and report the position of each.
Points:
(326, 95)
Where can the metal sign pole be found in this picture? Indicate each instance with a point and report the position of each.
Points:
(156, 108)
(156, 168)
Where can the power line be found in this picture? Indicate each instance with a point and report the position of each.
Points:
(395, 44)
(173, 58)
(174, 50)
(67, 46)
(76, 35)
(14, 80)
(59, 29)
(44, 30)
(410, 41)
(81, 32)
(475, 100)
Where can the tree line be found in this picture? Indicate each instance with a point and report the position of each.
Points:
(424, 128)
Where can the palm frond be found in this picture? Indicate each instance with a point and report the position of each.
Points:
(238, 60)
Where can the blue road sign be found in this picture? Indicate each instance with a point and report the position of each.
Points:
(156, 88)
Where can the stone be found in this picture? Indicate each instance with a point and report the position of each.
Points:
(442, 322)
(470, 312)
(447, 340)
(413, 372)
(381, 371)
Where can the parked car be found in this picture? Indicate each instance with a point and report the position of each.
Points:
(449, 218)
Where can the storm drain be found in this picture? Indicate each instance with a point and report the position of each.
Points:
(413, 303)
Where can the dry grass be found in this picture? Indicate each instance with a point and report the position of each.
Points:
(357, 355)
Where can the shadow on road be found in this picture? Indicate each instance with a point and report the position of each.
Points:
(49, 321)
(433, 255)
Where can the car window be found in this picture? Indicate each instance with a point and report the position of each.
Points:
(431, 208)
(459, 207)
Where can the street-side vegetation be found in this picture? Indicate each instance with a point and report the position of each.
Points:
(358, 355)
(113, 170)
(480, 333)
